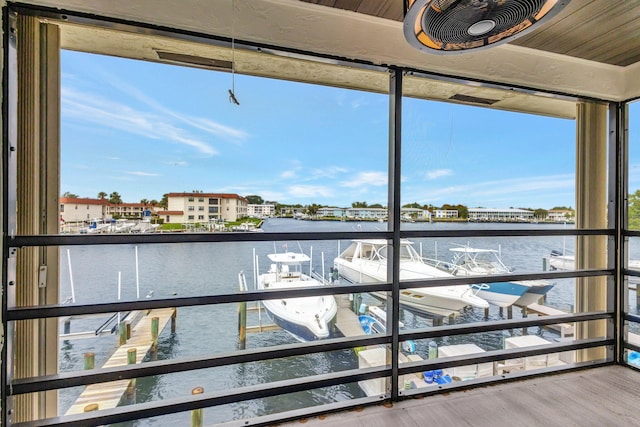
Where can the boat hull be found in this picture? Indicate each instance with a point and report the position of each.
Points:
(502, 294)
(440, 300)
(300, 330)
(435, 306)
(533, 294)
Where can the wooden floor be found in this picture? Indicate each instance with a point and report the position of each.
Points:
(598, 397)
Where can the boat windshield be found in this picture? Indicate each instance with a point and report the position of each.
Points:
(407, 253)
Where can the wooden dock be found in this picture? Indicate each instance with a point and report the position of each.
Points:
(108, 395)
(347, 321)
(566, 329)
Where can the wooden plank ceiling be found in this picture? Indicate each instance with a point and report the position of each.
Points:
(606, 31)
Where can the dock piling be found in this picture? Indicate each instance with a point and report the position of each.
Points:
(131, 360)
(173, 321)
(122, 329)
(242, 309)
(155, 322)
(89, 361)
(242, 325)
(196, 414)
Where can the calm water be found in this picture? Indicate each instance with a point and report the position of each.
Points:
(178, 270)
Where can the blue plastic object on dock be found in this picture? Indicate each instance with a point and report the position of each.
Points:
(441, 378)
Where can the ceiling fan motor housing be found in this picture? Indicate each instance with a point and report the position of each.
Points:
(454, 26)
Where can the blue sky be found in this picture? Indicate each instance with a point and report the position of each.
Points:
(144, 129)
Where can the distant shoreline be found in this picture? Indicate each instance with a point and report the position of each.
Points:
(441, 220)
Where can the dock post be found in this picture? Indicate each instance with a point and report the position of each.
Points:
(525, 313)
(89, 361)
(510, 312)
(67, 326)
(131, 360)
(173, 320)
(196, 414)
(242, 325)
(155, 323)
(486, 313)
(501, 312)
(122, 328)
(128, 332)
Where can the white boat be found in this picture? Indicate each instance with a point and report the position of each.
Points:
(469, 261)
(558, 261)
(247, 227)
(365, 261)
(96, 226)
(306, 318)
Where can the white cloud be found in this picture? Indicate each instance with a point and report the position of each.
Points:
(271, 195)
(439, 173)
(159, 122)
(357, 103)
(288, 174)
(91, 108)
(511, 190)
(310, 191)
(140, 173)
(210, 126)
(327, 172)
(178, 163)
(367, 178)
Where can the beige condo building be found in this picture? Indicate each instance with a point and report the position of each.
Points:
(203, 207)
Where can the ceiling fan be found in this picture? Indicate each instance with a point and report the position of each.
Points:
(456, 26)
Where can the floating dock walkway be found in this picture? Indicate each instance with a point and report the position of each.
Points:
(143, 339)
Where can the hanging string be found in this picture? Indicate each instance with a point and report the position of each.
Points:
(232, 93)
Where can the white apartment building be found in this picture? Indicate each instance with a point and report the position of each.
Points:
(261, 211)
(445, 213)
(74, 209)
(500, 215)
(131, 210)
(560, 215)
(371, 213)
(183, 208)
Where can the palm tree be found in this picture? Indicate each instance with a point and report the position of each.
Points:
(164, 202)
(102, 195)
(144, 202)
(115, 198)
